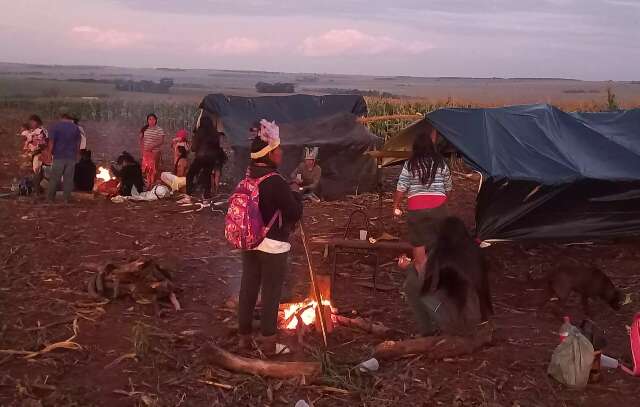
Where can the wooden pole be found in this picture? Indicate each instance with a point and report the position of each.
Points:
(314, 287)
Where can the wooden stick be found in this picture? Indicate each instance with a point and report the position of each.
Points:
(433, 347)
(371, 119)
(281, 370)
(314, 286)
(360, 323)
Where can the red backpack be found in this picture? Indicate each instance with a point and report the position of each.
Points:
(244, 227)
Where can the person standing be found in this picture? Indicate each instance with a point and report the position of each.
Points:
(83, 136)
(151, 140)
(37, 136)
(208, 156)
(64, 137)
(264, 268)
(426, 179)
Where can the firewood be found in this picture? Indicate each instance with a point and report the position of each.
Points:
(267, 368)
(375, 328)
(433, 347)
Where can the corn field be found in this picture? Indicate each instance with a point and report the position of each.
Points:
(175, 116)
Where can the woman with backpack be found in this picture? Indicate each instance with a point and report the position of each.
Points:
(266, 246)
(426, 179)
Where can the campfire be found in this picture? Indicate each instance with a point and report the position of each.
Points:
(103, 174)
(302, 311)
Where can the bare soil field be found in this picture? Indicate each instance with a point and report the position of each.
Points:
(129, 356)
(191, 84)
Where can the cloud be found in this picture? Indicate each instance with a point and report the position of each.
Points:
(350, 41)
(108, 38)
(233, 46)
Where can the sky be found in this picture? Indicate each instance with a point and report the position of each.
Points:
(583, 39)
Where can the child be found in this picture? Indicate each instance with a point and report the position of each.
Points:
(85, 172)
(178, 179)
(180, 140)
(37, 134)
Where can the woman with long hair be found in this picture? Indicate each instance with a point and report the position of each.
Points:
(426, 179)
(151, 140)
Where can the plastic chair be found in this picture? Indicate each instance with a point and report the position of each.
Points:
(634, 338)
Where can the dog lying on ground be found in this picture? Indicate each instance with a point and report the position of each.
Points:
(457, 268)
(587, 280)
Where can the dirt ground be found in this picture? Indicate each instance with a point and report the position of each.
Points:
(43, 291)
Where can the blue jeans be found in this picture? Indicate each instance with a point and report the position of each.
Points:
(61, 169)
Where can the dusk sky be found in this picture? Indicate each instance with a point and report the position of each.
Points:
(584, 39)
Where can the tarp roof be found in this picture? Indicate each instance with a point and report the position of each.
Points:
(328, 122)
(293, 112)
(538, 142)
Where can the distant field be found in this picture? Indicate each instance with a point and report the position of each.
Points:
(49, 89)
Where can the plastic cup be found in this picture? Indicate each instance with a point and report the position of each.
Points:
(370, 365)
(363, 235)
(608, 362)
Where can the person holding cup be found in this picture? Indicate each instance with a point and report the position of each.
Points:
(426, 179)
(307, 175)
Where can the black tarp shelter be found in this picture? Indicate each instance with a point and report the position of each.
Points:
(546, 173)
(328, 122)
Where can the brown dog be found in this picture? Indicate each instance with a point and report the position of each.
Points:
(588, 281)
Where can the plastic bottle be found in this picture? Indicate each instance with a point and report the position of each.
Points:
(14, 185)
(565, 328)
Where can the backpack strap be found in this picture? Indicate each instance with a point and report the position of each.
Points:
(276, 216)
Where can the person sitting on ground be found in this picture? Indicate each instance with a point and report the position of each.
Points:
(264, 269)
(180, 140)
(425, 177)
(129, 173)
(38, 135)
(85, 174)
(307, 175)
(65, 146)
(178, 179)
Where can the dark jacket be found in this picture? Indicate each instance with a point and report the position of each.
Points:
(129, 175)
(84, 175)
(275, 194)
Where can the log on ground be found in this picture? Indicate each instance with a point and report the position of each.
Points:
(434, 347)
(265, 368)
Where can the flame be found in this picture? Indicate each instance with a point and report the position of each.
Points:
(308, 316)
(103, 174)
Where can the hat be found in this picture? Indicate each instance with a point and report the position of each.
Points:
(311, 153)
(182, 134)
(269, 133)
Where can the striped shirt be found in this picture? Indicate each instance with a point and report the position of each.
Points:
(423, 196)
(151, 138)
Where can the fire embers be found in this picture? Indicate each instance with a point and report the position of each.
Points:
(143, 280)
(301, 312)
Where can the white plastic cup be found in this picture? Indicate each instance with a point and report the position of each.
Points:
(608, 362)
(301, 403)
(370, 365)
(363, 234)
(299, 177)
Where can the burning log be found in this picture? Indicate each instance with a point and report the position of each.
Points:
(266, 368)
(372, 327)
(434, 347)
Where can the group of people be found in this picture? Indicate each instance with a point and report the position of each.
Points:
(60, 155)
(425, 178)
